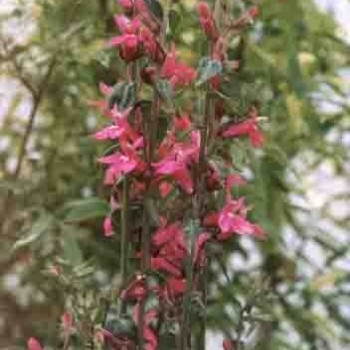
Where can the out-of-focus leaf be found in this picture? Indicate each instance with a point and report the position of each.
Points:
(85, 209)
(122, 95)
(71, 249)
(164, 89)
(37, 230)
(155, 8)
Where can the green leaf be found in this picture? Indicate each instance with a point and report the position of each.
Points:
(119, 325)
(164, 89)
(208, 69)
(122, 95)
(174, 21)
(155, 8)
(127, 97)
(37, 230)
(71, 249)
(85, 209)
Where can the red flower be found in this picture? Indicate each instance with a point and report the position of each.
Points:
(166, 234)
(164, 188)
(178, 73)
(120, 127)
(232, 219)
(33, 344)
(128, 41)
(136, 290)
(228, 345)
(175, 287)
(248, 128)
(127, 5)
(67, 321)
(151, 46)
(177, 157)
(118, 164)
(170, 250)
(182, 122)
(149, 335)
(253, 12)
(107, 226)
(207, 21)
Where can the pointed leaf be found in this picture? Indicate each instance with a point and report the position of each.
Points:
(85, 209)
(37, 230)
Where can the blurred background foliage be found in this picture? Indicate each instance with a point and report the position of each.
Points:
(294, 65)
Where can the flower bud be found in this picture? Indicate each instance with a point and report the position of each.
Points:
(253, 12)
(33, 344)
(126, 5)
(107, 226)
(207, 21)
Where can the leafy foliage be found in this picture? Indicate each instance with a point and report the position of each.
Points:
(291, 63)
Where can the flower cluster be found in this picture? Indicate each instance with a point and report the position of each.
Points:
(168, 159)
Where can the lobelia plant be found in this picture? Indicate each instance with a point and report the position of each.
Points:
(169, 126)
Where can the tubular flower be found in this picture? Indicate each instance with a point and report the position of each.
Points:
(176, 159)
(107, 226)
(232, 219)
(248, 128)
(207, 21)
(67, 321)
(178, 73)
(33, 344)
(118, 165)
(170, 249)
(129, 41)
(126, 5)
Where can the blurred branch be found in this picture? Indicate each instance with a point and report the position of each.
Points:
(37, 97)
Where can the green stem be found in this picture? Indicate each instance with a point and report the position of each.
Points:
(124, 246)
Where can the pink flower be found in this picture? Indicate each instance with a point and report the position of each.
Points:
(33, 344)
(67, 321)
(107, 226)
(232, 219)
(136, 290)
(175, 287)
(182, 123)
(253, 12)
(118, 164)
(128, 41)
(151, 46)
(228, 345)
(207, 21)
(169, 243)
(233, 180)
(178, 73)
(164, 188)
(119, 128)
(126, 5)
(177, 158)
(177, 170)
(248, 128)
(163, 264)
(149, 335)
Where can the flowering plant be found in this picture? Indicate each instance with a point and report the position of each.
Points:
(167, 157)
